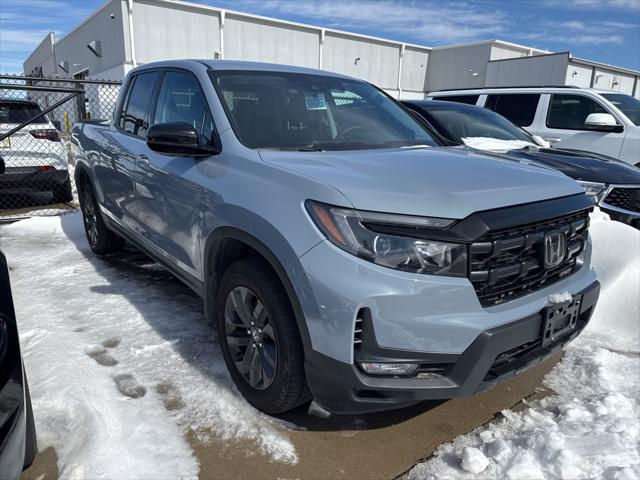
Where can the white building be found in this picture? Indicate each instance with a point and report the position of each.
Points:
(126, 33)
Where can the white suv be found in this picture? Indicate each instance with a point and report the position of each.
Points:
(35, 156)
(601, 121)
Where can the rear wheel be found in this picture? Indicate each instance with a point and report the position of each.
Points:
(259, 337)
(62, 193)
(101, 239)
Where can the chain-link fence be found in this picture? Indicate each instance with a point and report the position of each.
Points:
(36, 119)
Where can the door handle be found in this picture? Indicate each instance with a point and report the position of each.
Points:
(142, 160)
(552, 140)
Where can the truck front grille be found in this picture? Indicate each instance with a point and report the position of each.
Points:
(626, 198)
(510, 263)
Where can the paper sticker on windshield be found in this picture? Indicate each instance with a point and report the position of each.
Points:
(315, 101)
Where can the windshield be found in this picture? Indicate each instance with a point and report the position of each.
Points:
(18, 112)
(457, 125)
(627, 104)
(292, 111)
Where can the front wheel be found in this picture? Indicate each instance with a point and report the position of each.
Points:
(101, 240)
(259, 337)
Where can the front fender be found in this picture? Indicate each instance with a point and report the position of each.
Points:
(276, 250)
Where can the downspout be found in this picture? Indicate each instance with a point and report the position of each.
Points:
(321, 44)
(131, 37)
(221, 29)
(400, 71)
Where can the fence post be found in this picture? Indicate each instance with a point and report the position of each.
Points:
(80, 105)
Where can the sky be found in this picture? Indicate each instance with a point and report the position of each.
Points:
(606, 31)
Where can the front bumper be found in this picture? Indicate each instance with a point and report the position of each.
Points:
(496, 355)
(621, 203)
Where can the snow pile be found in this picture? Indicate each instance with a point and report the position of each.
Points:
(591, 428)
(121, 362)
(495, 144)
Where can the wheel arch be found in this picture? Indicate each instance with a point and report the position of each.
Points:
(228, 244)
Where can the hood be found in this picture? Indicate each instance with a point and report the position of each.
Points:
(438, 182)
(582, 165)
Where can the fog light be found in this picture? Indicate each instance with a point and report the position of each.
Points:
(373, 368)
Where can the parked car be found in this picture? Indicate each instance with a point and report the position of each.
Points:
(18, 446)
(35, 156)
(613, 185)
(344, 255)
(600, 121)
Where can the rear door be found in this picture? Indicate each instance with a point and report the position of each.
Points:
(167, 199)
(562, 124)
(519, 108)
(115, 165)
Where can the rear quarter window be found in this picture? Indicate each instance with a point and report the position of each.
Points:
(520, 108)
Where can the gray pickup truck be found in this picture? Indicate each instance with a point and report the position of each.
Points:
(344, 256)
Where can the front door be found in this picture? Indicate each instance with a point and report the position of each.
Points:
(167, 200)
(563, 125)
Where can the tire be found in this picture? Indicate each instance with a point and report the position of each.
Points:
(249, 282)
(101, 240)
(62, 193)
(31, 443)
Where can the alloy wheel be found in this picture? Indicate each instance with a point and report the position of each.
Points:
(251, 338)
(90, 217)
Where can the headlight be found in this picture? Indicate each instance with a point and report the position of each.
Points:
(592, 189)
(372, 236)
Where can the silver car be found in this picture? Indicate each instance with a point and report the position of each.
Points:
(344, 256)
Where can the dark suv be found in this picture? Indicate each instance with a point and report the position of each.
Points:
(17, 429)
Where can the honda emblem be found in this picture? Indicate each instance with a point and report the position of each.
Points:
(555, 249)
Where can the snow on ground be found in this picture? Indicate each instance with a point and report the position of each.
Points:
(591, 428)
(121, 362)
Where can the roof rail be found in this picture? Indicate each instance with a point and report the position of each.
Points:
(497, 88)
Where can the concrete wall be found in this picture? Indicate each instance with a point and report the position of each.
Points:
(458, 67)
(99, 27)
(43, 56)
(258, 40)
(584, 75)
(536, 70)
(170, 32)
(578, 75)
(414, 72)
(502, 52)
(170, 29)
(374, 62)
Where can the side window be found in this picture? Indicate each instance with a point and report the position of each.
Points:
(568, 112)
(469, 99)
(182, 100)
(134, 115)
(520, 108)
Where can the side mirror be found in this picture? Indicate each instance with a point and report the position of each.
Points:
(178, 138)
(602, 122)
